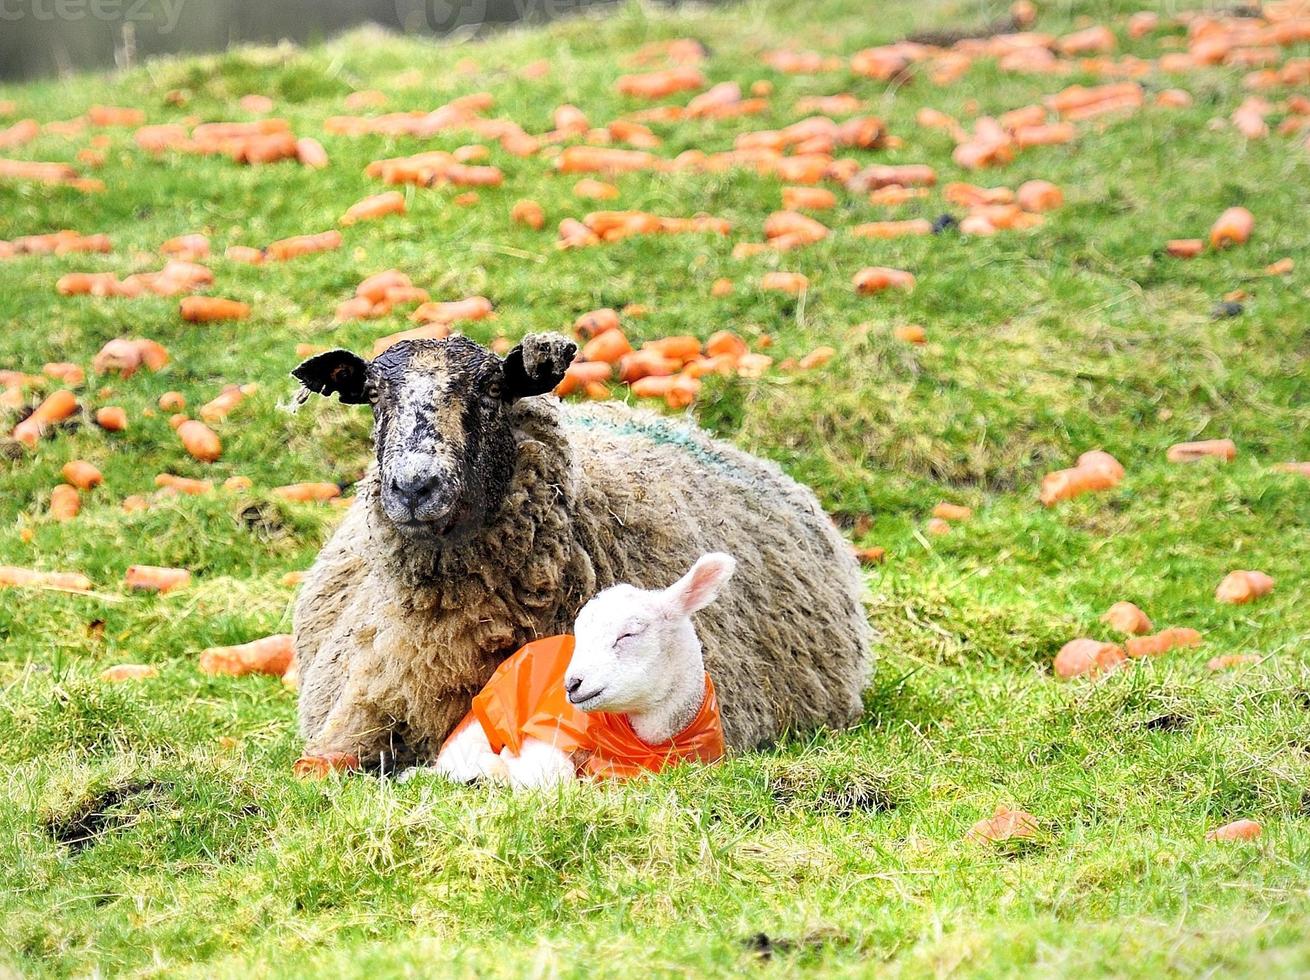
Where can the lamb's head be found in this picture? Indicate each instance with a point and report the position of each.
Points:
(442, 423)
(634, 647)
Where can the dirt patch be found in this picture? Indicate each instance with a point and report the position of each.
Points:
(113, 810)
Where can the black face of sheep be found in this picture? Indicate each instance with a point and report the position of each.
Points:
(442, 423)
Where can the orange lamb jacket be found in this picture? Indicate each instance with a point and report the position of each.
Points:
(525, 699)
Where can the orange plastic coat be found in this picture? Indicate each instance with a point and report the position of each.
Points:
(525, 699)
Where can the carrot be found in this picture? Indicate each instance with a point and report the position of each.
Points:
(1233, 227)
(1237, 830)
(646, 363)
(1173, 98)
(530, 213)
(808, 198)
(152, 578)
(794, 227)
(65, 503)
(175, 421)
(184, 485)
(725, 343)
(186, 247)
(903, 175)
(816, 358)
(595, 190)
(81, 474)
(111, 115)
(892, 229)
(1083, 657)
(1125, 617)
(229, 398)
(910, 333)
(1280, 268)
(310, 153)
(582, 373)
(244, 254)
(322, 766)
(1230, 660)
(682, 392)
(603, 159)
(307, 492)
(200, 441)
(937, 527)
(653, 386)
(952, 512)
(784, 282)
(111, 418)
(659, 84)
(1190, 452)
(607, 346)
(470, 308)
(292, 579)
(134, 502)
(128, 672)
(235, 484)
(721, 287)
(269, 655)
(57, 406)
(596, 322)
(1162, 642)
(172, 401)
(11, 576)
(374, 288)
(876, 279)
(1039, 195)
(1005, 824)
(753, 365)
(870, 556)
(1241, 587)
(376, 206)
(682, 348)
(290, 248)
(1184, 248)
(70, 374)
(208, 309)
(1299, 469)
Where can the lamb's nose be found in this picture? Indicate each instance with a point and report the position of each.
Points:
(571, 684)
(414, 489)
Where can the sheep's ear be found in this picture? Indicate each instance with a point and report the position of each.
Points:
(537, 364)
(701, 586)
(337, 371)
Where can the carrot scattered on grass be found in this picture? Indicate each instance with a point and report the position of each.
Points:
(1184, 248)
(590, 324)
(111, 418)
(221, 405)
(1163, 642)
(169, 483)
(952, 512)
(128, 672)
(57, 406)
(784, 282)
(11, 576)
(607, 346)
(1190, 452)
(308, 492)
(1233, 227)
(1005, 824)
(1126, 617)
(1085, 657)
(1237, 830)
(200, 441)
(1096, 470)
(529, 213)
(210, 309)
(375, 206)
(81, 474)
(268, 655)
(876, 279)
(910, 333)
(65, 503)
(1243, 586)
(153, 578)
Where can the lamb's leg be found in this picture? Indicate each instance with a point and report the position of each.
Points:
(538, 765)
(467, 757)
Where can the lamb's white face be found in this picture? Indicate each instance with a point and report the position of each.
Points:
(630, 641)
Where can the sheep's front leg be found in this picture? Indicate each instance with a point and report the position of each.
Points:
(538, 765)
(355, 729)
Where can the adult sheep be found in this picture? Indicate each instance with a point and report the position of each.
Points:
(492, 515)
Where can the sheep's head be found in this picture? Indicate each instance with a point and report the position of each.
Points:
(441, 423)
(634, 646)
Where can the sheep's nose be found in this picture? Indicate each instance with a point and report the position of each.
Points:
(415, 489)
(571, 684)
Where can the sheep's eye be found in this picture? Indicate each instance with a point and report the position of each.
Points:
(495, 391)
(634, 631)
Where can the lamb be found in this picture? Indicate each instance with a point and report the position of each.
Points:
(493, 512)
(636, 659)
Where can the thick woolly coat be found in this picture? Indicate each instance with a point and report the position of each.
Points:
(393, 640)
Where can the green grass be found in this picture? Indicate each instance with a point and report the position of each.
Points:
(845, 849)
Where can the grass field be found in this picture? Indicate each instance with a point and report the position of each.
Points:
(153, 827)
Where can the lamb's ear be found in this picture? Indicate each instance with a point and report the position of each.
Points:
(337, 371)
(537, 364)
(701, 586)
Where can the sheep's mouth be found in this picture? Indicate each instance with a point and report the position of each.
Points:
(579, 700)
(452, 527)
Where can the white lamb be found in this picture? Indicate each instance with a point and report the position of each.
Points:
(636, 654)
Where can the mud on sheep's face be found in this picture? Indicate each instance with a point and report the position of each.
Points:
(442, 423)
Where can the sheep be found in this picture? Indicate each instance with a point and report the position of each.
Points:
(493, 512)
(635, 658)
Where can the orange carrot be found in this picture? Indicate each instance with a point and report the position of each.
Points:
(200, 441)
(653, 386)
(892, 229)
(871, 556)
(1237, 830)
(682, 348)
(70, 374)
(152, 578)
(81, 474)
(607, 346)
(469, 308)
(952, 512)
(111, 418)
(175, 421)
(595, 190)
(682, 391)
(725, 342)
(1184, 248)
(111, 115)
(1039, 195)
(1162, 642)
(1083, 657)
(128, 672)
(1005, 824)
(721, 287)
(530, 213)
(579, 374)
(376, 206)
(784, 282)
(290, 248)
(795, 227)
(229, 398)
(12, 576)
(322, 766)
(65, 503)
(269, 655)
(659, 84)
(1241, 587)
(876, 279)
(910, 333)
(310, 153)
(596, 322)
(1234, 227)
(306, 492)
(1125, 617)
(808, 198)
(57, 406)
(1190, 452)
(646, 363)
(244, 254)
(1230, 660)
(182, 484)
(135, 502)
(172, 401)
(816, 358)
(235, 484)
(208, 309)
(374, 288)
(604, 159)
